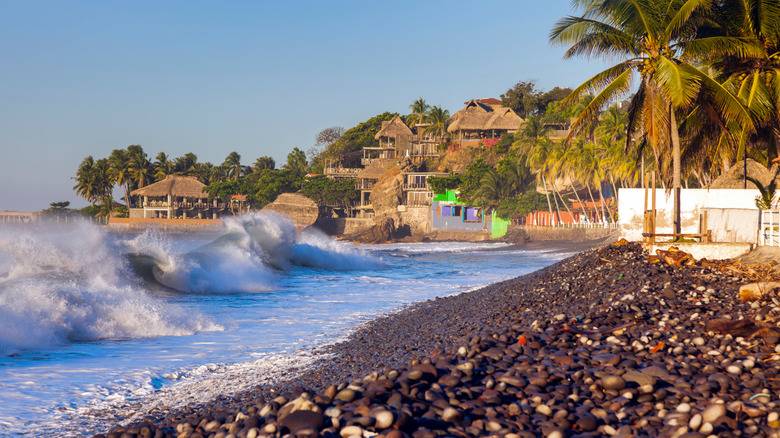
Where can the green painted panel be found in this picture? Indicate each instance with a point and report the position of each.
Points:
(499, 226)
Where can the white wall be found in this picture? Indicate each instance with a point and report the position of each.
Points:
(693, 203)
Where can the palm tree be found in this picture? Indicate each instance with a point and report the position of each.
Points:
(84, 180)
(539, 160)
(419, 110)
(649, 37)
(233, 165)
(493, 188)
(439, 119)
(531, 132)
(612, 124)
(185, 165)
(263, 163)
(119, 168)
(140, 167)
(163, 166)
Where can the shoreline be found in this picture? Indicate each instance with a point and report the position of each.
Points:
(536, 355)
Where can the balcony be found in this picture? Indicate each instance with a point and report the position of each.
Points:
(341, 171)
(418, 187)
(363, 184)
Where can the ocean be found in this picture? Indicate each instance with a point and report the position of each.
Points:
(97, 328)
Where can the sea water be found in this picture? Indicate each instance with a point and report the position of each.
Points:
(98, 328)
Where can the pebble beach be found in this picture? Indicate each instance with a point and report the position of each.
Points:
(603, 343)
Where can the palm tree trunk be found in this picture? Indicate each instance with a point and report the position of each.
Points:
(562, 202)
(547, 193)
(590, 193)
(557, 207)
(614, 188)
(577, 195)
(604, 214)
(675, 137)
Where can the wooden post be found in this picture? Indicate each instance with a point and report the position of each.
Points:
(653, 214)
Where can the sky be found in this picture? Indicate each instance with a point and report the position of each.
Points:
(257, 77)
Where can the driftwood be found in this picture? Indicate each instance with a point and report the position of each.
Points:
(675, 257)
(745, 328)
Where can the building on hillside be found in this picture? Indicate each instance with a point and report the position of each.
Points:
(176, 196)
(394, 139)
(557, 131)
(416, 191)
(479, 121)
(366, 179)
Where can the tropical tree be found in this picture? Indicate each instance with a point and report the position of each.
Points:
(419, 111)
(264, 162)
(296, 162)
(163, 166)
(185, 165)
(494, 187)
(119, 169)
(649, 38)
(439, 119)
(233, 165)
(139, 165)
(531, 132)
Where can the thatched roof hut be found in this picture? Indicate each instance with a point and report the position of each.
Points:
(734, 177)
(377, 168)
(478, 116)
(174, 185)
(393, 128)
(302, 210)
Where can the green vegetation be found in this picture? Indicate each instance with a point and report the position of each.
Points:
(708, 96)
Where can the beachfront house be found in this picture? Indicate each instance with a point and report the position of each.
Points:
(482, 119)
(176, 197)
(366, 179)
(394, 139)
(416, 191)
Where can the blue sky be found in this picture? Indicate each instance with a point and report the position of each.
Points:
(257, 77)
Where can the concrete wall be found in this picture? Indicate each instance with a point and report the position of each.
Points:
(333, 226)
(417, 218)
(174, 225)
(452, 223)
(136, 213)
(693, 203)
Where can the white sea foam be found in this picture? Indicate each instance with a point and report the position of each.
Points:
(70, 284)
(249, 256)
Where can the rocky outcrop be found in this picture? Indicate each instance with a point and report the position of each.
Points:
(386, 196)
(302, 210)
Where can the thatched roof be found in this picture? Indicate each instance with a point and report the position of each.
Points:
(174, 185)
(393, 128)
(377, 168)
(302, 210)
(733, 178)
(477, 116)
(504, 118)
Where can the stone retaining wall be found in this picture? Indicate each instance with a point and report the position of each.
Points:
(341, 226)
(538, 234)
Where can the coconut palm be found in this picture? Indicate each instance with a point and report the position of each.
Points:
(539, 162)
(612, 124)
(493, 188)
(649, 37)
(419, 111)
(531, 132)
(163, 166)
(139, 165)
(119, 168)
(439, 119)
(263, 163)
(233, 165)
(185, 165)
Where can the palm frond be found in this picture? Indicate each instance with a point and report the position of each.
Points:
(678, 82)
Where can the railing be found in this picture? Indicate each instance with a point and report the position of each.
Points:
(415, 186)
(203, 205)
(769, 227)
(580, 225)
(364, 185)
(417, 202)
(341, 170)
